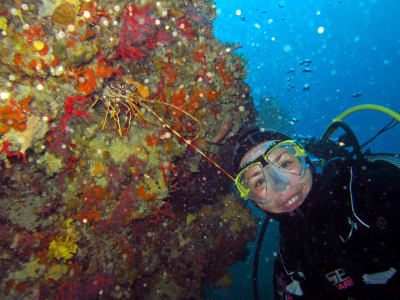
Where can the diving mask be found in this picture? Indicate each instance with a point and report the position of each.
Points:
(274, 165)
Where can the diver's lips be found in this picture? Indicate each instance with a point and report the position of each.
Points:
(293, 201)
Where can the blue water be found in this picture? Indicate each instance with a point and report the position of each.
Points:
(348, 49)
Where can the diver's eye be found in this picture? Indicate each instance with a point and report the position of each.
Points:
(259, 183)
(286, 164)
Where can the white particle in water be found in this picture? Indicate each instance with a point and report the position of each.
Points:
(87, 14)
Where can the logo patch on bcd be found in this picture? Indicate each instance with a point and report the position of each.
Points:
(339, 279)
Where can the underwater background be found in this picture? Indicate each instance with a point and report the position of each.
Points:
(118, 120)
(355, 60)
(317, 58)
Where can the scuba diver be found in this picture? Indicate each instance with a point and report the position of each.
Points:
(339, 221)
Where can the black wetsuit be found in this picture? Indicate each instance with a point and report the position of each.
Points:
(337, 246)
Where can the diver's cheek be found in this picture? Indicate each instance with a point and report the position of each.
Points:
(260, 194)
(271, 204)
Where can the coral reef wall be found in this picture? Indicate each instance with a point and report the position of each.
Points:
(103, 108)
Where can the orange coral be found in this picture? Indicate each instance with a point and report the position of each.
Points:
(71, 43)
(43, 257)
(33, 65)
(197, 98)
(151, 140)
(54, 62)
(170, 76)
(103, 70)
(14, 115)
(177, 98)
(92, 215)
(199, 53)
(86, 82)
(9, 285)
(18, 59)
(145, 196)
(99, 191)
(225, 76)
(11, 118)
(22, 286)
(211, 94)
(89, 34)
(195, 102)
(33, 32)
(92, 203)
(95, 14)
(44, 50)
(73, 72)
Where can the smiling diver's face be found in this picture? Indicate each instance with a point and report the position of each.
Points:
(266, 195)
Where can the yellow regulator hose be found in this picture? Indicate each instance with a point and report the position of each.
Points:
(383, 109)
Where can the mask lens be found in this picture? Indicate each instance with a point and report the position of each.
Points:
(252, 180)
(288, 157)
(278, 180)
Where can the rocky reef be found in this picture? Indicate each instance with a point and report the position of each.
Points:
(113, 115)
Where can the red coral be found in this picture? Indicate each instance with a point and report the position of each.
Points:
(69, 168)
(215, 112)
(27, 240)
(100, 282)
(104, 67)
(127, 249)
(71, 106)
(114, 179)
(126, 51)
(137, 28)
(186, 28)
(162, 211)
(9, 153)
(122, 209)
(163, 37)
(58, 137)
(122, 214)
(167, 165)
(136, 167)
(137, 23)
(66, 291)
(57, 141)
